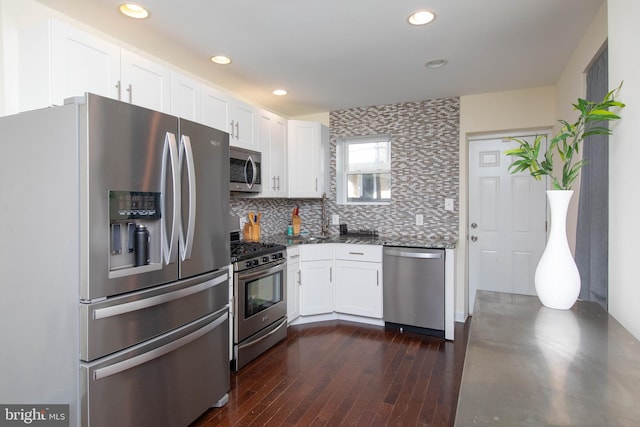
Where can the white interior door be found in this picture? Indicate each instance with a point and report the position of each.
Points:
(507, 221)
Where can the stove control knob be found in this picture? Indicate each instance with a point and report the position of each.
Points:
(265, 259)
(247, 264)
(255, 262)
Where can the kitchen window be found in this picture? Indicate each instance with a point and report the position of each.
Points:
(364, 170)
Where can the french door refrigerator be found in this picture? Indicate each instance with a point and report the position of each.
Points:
(114, 260)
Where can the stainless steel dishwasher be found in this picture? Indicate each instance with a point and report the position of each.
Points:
(413, 288)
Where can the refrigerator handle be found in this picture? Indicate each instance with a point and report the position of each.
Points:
(186, 158)
(170, 237)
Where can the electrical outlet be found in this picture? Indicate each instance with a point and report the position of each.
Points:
(419, 219)
(448, 205)
(335, 219)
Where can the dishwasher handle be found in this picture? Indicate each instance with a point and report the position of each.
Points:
(409, 254)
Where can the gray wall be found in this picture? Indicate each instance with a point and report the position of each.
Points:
(424, 163)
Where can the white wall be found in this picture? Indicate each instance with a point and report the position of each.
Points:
(624, 197)
(491, 113)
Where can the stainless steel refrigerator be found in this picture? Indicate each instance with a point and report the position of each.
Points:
(114, 263)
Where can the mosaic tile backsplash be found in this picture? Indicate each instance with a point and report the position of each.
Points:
(424, 171)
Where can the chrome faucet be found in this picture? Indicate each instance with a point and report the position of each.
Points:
(323, 217)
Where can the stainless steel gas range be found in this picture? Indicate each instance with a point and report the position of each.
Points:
(259, 298)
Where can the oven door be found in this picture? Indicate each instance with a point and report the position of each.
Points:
(260, 299)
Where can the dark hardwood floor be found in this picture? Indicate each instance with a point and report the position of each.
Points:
(341, 373)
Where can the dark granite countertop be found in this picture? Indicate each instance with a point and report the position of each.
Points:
(528, 365)
(412, 241)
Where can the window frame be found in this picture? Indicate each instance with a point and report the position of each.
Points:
(342, 168)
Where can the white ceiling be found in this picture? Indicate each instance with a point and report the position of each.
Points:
(336, 54)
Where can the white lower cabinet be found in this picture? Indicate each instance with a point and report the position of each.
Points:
(358, 280)
(316, 279)
(316, 288)
(293, 283)
(359, 288)
(341, 281)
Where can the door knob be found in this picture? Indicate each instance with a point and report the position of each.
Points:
(474, 238)
(474, 225)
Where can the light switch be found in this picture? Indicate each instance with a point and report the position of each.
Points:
(419, 219)
(448, 205)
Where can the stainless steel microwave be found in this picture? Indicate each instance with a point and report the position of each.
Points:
(245, 170)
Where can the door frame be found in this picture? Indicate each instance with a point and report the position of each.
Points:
(470, 138)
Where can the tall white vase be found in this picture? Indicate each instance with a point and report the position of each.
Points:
(557, 277)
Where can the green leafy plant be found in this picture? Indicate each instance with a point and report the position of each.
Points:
(591, 121)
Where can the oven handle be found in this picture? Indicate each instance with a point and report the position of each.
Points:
(251, 274)
(283, 322)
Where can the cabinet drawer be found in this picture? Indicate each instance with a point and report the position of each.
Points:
(293, 255)
(351, 252)
(316, 252)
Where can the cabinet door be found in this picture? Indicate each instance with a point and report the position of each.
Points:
(271, 137)
(316, 287)
(243, 125)
(359, 288)
(57, 61)
(308, 158)
(278, 156)
(215, 109)
(293, 284)
(144, 83)
(186, 97)
(82, 63)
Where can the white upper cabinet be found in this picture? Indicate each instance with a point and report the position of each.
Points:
(215, 108)
(243, 124)
(240, 120)
(308, 159)
(144, 82)
(272, 143)
(186, 97)
(57, 61)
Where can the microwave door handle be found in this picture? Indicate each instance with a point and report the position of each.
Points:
(255, 171)
(186, 239)
(170, 237)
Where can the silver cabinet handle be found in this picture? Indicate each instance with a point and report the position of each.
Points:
(356, 253)
(231, 133)
(377, 278)
(299, 277)
(274, 183)
(278, 177)
(294, 256)
(116, 368)
(330, 274)
(237, 130)
(130, 90)
(119, 87)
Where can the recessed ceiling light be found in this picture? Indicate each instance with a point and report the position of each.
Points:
(221, 59)
(436, 63)
(279, 92)
(133, 10)
(421, 17)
